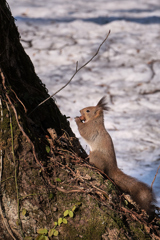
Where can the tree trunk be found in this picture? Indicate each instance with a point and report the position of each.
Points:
(24, 139)
(42, 171)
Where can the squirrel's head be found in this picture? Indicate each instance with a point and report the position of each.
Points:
(90, 113)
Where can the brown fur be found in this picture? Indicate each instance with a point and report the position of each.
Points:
(102, 154)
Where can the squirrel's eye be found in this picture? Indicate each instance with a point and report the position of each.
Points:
(87, 111)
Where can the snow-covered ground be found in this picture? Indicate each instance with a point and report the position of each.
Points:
(58, 33)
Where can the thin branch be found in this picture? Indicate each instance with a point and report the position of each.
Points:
(19, 101)
(80, 190)
(155, 177)
(76, 71)
(6, 179)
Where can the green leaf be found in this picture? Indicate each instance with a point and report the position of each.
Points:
(78, 204)
(24, 212)
(17, 222)
(51, 196)
(74, 208)
(65, 221)
(58, 180)
(40, 237)
(66, 213)
(55, 223)
(42, 231)
(48, 149)
(51, 232)
(56, 233)
(71, 214)
(60, 220)
(46, 238)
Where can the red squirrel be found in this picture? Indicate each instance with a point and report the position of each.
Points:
(102, 155)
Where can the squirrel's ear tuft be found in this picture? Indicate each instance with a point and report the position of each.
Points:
(103, 104)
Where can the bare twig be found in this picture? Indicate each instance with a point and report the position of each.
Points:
(76, 71)
(80, 190)
(155, 177)
(6, 179)
(100, 190)
(19, 101)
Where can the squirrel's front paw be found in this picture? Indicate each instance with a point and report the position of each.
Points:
(77, 119)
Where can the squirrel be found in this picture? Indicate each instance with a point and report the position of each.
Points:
(102, 155)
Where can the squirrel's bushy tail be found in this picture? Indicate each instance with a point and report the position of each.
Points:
(139, 191)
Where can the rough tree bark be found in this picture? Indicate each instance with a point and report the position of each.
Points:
(41, 164)
(21, 92)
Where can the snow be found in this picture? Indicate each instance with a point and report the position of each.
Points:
(58, 33)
